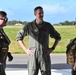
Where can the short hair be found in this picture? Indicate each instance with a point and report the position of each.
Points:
(38, 7)
(3, 13)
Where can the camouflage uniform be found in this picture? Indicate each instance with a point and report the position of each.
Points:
(3, 53)
(38, 42)
(71, 54)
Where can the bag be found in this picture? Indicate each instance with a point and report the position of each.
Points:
(70, 52)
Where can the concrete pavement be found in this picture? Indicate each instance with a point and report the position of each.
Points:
(19, 65)
(54, 72)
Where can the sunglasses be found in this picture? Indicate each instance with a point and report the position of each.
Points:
(5, 19)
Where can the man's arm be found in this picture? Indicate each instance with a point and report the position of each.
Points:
(53, 47)
(55, 44)
(28, 52)
(74, 67)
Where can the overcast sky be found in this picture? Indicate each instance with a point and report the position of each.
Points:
(55, 11)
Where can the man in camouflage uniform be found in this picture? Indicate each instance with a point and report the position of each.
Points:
(38, 32)
(71, 55)
(4, 43)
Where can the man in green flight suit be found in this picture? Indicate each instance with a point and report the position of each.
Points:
(38, 32)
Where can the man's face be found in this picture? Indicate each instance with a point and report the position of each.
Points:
(3, 21)
(39, 14)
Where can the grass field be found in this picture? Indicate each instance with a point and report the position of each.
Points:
(67, 33)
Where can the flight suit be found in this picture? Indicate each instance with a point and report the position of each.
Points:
(38, 42)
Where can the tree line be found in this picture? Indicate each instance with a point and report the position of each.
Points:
(14, 22)
(67, 23)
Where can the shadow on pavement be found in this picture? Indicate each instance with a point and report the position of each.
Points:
(53, 66)
(60, 66)
(16, 65)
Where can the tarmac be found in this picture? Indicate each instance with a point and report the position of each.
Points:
(19, 67)
(54, 72)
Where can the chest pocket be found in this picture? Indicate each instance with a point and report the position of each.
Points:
(43, 37)
(33, 36)
(44, 30)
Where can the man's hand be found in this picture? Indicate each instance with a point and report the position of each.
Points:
(29, 52)
(49, 51)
